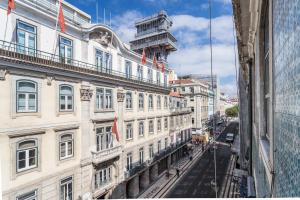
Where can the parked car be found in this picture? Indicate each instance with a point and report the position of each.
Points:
(229, 137)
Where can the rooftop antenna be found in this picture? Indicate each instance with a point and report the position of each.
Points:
(109, 19)
(103, 15)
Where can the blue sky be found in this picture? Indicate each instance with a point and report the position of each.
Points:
(190, 27)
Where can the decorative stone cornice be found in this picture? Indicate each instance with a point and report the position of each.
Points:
(86, 94)
(49, 80)
(120, 96)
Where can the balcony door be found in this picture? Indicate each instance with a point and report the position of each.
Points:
(26, 38)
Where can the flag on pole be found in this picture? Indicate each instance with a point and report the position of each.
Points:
(154, 60)
(162, 67)
(115, 129)
(61, 18)
(10, 6)
(144, 57)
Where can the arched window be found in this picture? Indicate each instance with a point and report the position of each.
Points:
(66, 146)
(150, 102)
(128, 100)
(26, 96)
(151, 126)
(26, 155)
(66, 98)
(166, 102)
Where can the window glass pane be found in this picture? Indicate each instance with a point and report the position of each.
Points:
(70, 102)
(26, 27)
(27, 144)
(66, 137)
(28, 196)
(32, 102)
(24, 86)
(66, 90)
(70, 148)
(62, 149)
(21, 102)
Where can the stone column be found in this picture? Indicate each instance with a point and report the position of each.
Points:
(144, 179)
(133, 189)
(86, 143)
(153, 173)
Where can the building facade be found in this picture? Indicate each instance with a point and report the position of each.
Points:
(268, 44)
(197, 97)
(62, 93)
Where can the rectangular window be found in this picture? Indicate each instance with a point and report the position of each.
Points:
(166, 123)
(141, 128)
(65, 50)
(151, 151)
(166, 102)
(66, 189)
(151, 126)
(107, 65)
(158, 125)
(140, 72)
(150, 75)
(158, 78)
(129, 161)
(141, 154)
(26, 38)
(33, 195)
(104, 99)
(103, 177)
(99, 59)
(141, 101)
(104, 138)
(158, 146)
(128, 69)
(150, 102)
(129, 131)
(158, 102)
(128, 100)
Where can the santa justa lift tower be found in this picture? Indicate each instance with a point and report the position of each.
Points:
(153, 35)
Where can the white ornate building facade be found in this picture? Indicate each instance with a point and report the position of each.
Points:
(60, 95)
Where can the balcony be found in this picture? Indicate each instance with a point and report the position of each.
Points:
(135, 168)
(18, 53)
(106, 154)
(179, 110)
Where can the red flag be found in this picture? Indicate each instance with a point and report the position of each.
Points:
(154, 60)
(144, 57)
(115, 129)
(61, 18)
(162, 67)
(10, 6)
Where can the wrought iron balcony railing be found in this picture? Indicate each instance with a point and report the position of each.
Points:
(20, 52)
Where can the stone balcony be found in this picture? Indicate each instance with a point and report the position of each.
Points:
(106, 154)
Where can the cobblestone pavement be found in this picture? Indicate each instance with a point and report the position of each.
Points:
(197, 182)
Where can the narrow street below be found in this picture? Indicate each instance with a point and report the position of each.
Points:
(197, 182)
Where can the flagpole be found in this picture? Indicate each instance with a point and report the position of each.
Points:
(56, 34)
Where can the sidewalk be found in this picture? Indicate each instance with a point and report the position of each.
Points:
(163, 182)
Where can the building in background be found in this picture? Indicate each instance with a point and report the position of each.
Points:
(268, 45)
(64, 93)
(197, 96)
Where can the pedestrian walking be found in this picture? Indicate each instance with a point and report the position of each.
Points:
(191, 157)
(177, 172)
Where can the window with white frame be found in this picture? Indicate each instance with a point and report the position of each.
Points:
(128, 100)
(27, 155)
(140, 72)
(158, 146)
(129, 131)
(150, 101)
(129, 161)
(26, 96)
(141, 101)
(158, 77)
(158, 102)
(66, 189)
(165, 102)
(104, 99)
(166, 123)
(151, 126)
(99, 59)
(150, 75)
(32, 195)
(65, 50)
(158, 125)
(103, 177)
(26, 38)
(141, 155)
(104, 138)
(66, 145)
(107, 65)
(166, 143)
(66, 98)
(141, 128)
(151, 151)
(128, 69)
